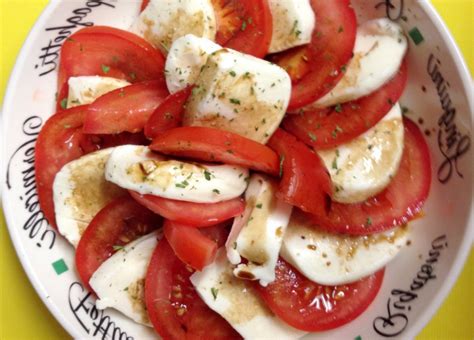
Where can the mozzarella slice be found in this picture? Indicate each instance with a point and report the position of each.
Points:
(336, 259)
(164, 21)
(364, 166)
(293, 24)
(258, 233)
(378, 53)
(237, 301)
(239, 93)
(80, 191)
(84, 90)
(137, 168)
(184, 61)
(119, 282)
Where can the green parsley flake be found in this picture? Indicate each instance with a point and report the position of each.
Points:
(232, 73)
(234, 101)
(117, 248)
(182, 185)
(207, 175)
(334, 163)
(369, 221)
(105, 68)
(312, 136)
(216, 191)
(259, 206)
(338, 108)
(64, 103)
(214, 292)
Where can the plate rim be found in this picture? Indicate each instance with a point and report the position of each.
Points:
(432, 308)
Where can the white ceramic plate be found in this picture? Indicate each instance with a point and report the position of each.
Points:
(415, 283)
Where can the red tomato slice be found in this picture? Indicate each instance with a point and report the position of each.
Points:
(328, 128)
(59, 143)
(312, 307)
(325, 57)
(305, 182)
(190, 245)
(175, 309)
(118, 223)
(189, 213)
(144, 4)
(111, 52)
(214, 145)
(244, 25)
(91, 143)
(168, 115)
(395, 205)
(124, 109)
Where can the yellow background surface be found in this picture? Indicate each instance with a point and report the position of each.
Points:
(23, 315)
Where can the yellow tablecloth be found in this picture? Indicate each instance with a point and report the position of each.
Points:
(23, 315)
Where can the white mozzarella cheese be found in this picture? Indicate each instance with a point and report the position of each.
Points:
(139, 169)
(336, 259)
(80, 191)
(293, 24)
(238, 302)
(164, 21)
(184, 61)
(241, 94)
(364, 166)
(378, 53)
(119, 282)
(258, 233)
(85, 89)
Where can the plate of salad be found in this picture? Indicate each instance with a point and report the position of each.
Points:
(224, 169)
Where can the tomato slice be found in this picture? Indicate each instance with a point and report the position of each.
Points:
(143, 5)
(395, 205)
(174, 307)
(168, 115)
(124, 109)
(189, 213)
(328, 128)
(244, 25)
(318, 67)
(312, 307)
(305, 181)
(111, 52)
(214, 145)
(120, 222)
(91, 143)
(190, 245)
(58, 143)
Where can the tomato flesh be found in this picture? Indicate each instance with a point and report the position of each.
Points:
(323, 60)
(125, 109)
(214, 145)
(190, 245)
(174, 307)
(328, 128)
(110, 52)
(168, 115)
(244, 25)
(58, 143)
(400, 202)
(118, 223)
(312, 307)
(190, 213)
(305, 181)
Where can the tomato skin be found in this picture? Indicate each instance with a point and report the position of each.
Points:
(305, 182)
(190, 213)
(174, 307)
(292, 298)
(244, 25)
(91, 143)
(214, 145)
(58, 143)
(124, 109)
(190, 245)
(143, 5)
(328, 128)
(328, 52)
(168, 115)
(120, 222)
(395, 205)
(111, 52)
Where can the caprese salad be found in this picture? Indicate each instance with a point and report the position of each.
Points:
(234, 168)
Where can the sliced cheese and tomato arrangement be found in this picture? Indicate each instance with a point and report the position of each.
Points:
(233, 169)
